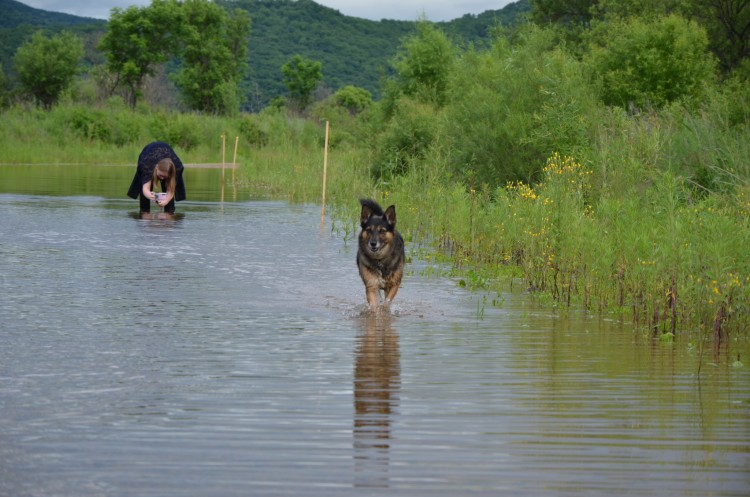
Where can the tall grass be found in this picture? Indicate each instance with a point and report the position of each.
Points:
(638, 226)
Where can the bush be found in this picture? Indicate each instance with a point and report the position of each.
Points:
(406, 138)
(642, 64)
(511, 107)
(179, 130)
(252, 132)
(354, 99)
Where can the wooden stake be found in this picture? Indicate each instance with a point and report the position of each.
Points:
(223, 160)
(325, 171)
(223, 155)
(234, 160)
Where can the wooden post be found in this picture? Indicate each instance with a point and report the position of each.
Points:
(223, 156)
(223, 159)
(234, 160)
(325, 171)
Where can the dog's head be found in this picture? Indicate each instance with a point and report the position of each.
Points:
(378, 227)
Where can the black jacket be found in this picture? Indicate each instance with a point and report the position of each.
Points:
(147, 161)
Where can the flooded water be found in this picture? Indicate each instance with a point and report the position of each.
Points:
(228, 352)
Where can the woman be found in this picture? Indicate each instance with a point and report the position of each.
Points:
(158, 164)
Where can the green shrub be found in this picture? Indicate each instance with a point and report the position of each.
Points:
(353, 99)
(649, 63)
(251, 131)
(179, 130)
(406, 138)
(512, 106)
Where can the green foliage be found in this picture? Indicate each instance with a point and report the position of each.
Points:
(646, 9)
(570, 12)
(181, 130)
(137, 40)
(16, 14)
(353, 51)
(727, 23)
(212, 46)
(3, 89)
(353, 99)
(512, 106)
(301, 77)
(250, 127)
(46, 65)
(424, 64)
(213, 57)
(650, 63)
(102, 126)
(405, 138)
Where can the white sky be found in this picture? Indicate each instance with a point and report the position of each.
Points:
(404, 10)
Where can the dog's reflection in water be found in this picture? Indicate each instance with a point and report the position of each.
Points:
(377, 381)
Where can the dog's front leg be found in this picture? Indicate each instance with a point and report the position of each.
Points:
(372, 296)
(390, 293)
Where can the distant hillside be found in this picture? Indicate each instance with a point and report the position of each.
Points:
(13, 14)
(353, 51)
(19, 21)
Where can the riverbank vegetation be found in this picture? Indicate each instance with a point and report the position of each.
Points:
(605, 171)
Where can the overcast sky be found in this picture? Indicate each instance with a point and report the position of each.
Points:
(405, 10)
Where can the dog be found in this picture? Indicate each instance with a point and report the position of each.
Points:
(380, 256)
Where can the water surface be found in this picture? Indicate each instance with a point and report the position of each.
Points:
(228, 352)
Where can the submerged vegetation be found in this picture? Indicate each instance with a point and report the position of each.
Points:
(606, 172)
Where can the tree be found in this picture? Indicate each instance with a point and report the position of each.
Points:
(3, 88)
(301, 77)
(424, 64)
(727, 23)
(138, 40)
(214, 56)
(46, 66)
(353, 98)
(650, 63)
(569, 12)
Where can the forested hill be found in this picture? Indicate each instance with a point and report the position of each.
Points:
(353, 51)
(14, 14)
(18, 21)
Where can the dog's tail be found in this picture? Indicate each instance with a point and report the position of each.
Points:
(372, 205)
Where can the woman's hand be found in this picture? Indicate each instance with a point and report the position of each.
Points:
(165, 201)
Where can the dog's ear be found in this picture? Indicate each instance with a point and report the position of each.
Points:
(390, 215)
(365, 215)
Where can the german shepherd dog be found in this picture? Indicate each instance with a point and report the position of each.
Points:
(380, 257)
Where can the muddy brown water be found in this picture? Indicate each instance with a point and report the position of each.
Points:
(229, 352)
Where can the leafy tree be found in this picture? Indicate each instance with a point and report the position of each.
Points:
(727, 23)
(3, 88)
(353, 98)
(301, 77)
(138, 39)
(214, 56)
(512, 106)
(46, 66)
(635, 8)
(650, 63)
(424, 64)
(569, 12)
